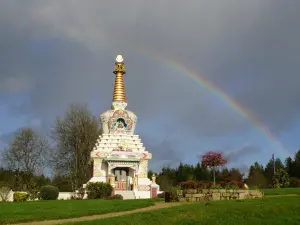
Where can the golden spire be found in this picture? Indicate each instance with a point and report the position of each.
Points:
(119, 90)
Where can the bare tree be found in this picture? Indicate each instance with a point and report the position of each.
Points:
(75, 135)
(25, 155)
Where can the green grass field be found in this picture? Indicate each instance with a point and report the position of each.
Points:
(280, 210)
(281, 191)
(45, 210)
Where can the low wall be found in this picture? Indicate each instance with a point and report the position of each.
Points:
(194, 195)
(68, 195)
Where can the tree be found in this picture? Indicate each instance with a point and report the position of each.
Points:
(235, 175)
(150, 173)
(63, 183)
(166, 178)
(296, 168)
(184, 172)
(269, 169)
(290, 166)
(281, 179)
(26, 156)
(213, 160)
(75, 135)
(201, 173)
(256, 176)
(256, 168)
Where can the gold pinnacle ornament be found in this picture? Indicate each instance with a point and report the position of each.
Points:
(119, 90)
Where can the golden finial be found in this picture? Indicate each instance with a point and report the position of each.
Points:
(119, 90)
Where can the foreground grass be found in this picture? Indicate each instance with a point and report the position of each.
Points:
(281, 191)
(281, 210)
(45, 210)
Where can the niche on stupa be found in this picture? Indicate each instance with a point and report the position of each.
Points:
(120, 122)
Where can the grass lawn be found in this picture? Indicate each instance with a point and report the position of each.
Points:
(45, 210)
(281, 210)
(281, 191)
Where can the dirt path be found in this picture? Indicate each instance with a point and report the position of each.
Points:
(157, 205)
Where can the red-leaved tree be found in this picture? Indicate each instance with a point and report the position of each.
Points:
(213, 160)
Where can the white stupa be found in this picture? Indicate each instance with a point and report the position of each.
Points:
(119, 156)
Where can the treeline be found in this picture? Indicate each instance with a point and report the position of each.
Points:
(73, 137)
(259, 175)
(17, 181)
(66, 151)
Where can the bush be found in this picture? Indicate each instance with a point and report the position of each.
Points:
(294, 182)
(49, 192)
(33, 191)
(115, 197)
(167, 196)
(171, 196)
(20, 196)
(281, 179)
(236, 184)
(190, 184)
(98, 190)
(4, 194)
(161, 195)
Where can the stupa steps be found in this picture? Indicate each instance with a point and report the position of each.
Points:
(119, 139)
(126, 194)
(117, 143)
(120, 136)
(107, 149)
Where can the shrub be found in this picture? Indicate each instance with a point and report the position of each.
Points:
(4, 194)
(294, 182)
(281, 179)
(171, 196)
(167, 196)
(49, 192)
(161, 195)
(33, 191)
(236, 184)
(20, 196)
(98, 190)
(223, 184)
(115, 197)
(205, 185)
(190, 184)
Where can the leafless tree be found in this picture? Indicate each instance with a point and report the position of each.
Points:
(75, 136)
(26, 155)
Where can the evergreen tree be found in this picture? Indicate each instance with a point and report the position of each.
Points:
(201, 174)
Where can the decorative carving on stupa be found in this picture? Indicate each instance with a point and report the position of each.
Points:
(118, 120)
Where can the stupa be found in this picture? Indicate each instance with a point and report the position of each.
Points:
(119, 156)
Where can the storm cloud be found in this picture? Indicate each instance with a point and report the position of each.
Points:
(53, 53)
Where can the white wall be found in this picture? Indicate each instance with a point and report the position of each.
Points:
(142, 194)
(61, 195)
(10, 197)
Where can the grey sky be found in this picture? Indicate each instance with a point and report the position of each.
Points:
(56, 52)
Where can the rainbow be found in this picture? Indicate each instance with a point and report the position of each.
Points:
(219, 94)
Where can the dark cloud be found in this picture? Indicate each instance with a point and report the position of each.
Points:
(59, 52)
(235, 155)
(163, 153)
